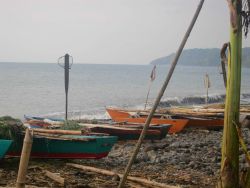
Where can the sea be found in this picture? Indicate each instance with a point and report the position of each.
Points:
(37, 89)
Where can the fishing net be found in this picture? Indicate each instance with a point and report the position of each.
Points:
(10, 128)
(245, 16)
(70, 125)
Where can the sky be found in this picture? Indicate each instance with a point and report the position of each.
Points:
(107, 31)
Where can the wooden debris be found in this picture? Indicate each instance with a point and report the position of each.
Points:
(135, 185)
(130, 178)
(54, 177)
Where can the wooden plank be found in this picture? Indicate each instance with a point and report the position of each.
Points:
(110, 173)
(54, 177)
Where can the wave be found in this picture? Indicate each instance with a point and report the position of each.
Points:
(100, 113)
(200, 100)
(77, 115)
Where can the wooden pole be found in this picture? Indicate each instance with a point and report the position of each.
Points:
(207, 85)
(150, 84)
(152, 78)
(165, 84)
(66, 82)
(24, 160)
(230, 143)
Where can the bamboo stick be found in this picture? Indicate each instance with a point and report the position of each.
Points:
(161, 92)
(24, 160)
(110, 173)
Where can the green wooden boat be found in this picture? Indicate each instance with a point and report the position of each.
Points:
(4, 146)
(66, 146)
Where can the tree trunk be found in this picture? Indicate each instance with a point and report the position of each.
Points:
(230, 143)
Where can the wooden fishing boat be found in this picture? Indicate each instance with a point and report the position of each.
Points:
(65, 146)
(120, 115)
(205, 123)
(27, 117)
(4, 146)
(129, 131)
(40, 122)
(195, 121)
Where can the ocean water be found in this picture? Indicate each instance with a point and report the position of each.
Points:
(38, 88)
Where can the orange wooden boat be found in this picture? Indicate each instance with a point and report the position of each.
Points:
(205, 123)
(120, 115)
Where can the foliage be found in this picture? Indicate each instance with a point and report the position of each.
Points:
(10, 127)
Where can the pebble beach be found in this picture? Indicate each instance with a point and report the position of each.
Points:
(189, 159)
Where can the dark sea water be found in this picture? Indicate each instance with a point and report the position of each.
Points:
(38, 88)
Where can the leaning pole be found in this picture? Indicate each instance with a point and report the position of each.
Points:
(160, 94)
(229, 177)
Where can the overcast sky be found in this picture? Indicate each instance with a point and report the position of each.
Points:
(107, 31)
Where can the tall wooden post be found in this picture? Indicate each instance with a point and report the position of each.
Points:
(24, 160)
(66, 75)
(230, 143)
(66, 65)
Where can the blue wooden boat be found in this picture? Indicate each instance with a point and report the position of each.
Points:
(27, 117)
(42, 122)
(4, 146)
(65, 146)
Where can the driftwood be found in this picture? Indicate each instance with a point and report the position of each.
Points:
(135, 185)
(54, 177)
(110, 173)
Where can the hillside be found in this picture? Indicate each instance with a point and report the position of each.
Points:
(201, 57)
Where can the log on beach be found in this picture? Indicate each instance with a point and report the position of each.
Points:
(130, 178)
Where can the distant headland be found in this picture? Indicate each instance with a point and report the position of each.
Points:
(201, 57)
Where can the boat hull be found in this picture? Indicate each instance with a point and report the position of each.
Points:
(5, 144)
(123, 116)
(67, 146)
(206, 123)
(130, 132)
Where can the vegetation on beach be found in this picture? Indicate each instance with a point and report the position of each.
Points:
(70, 125)
(10, 127)
(239, 21)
